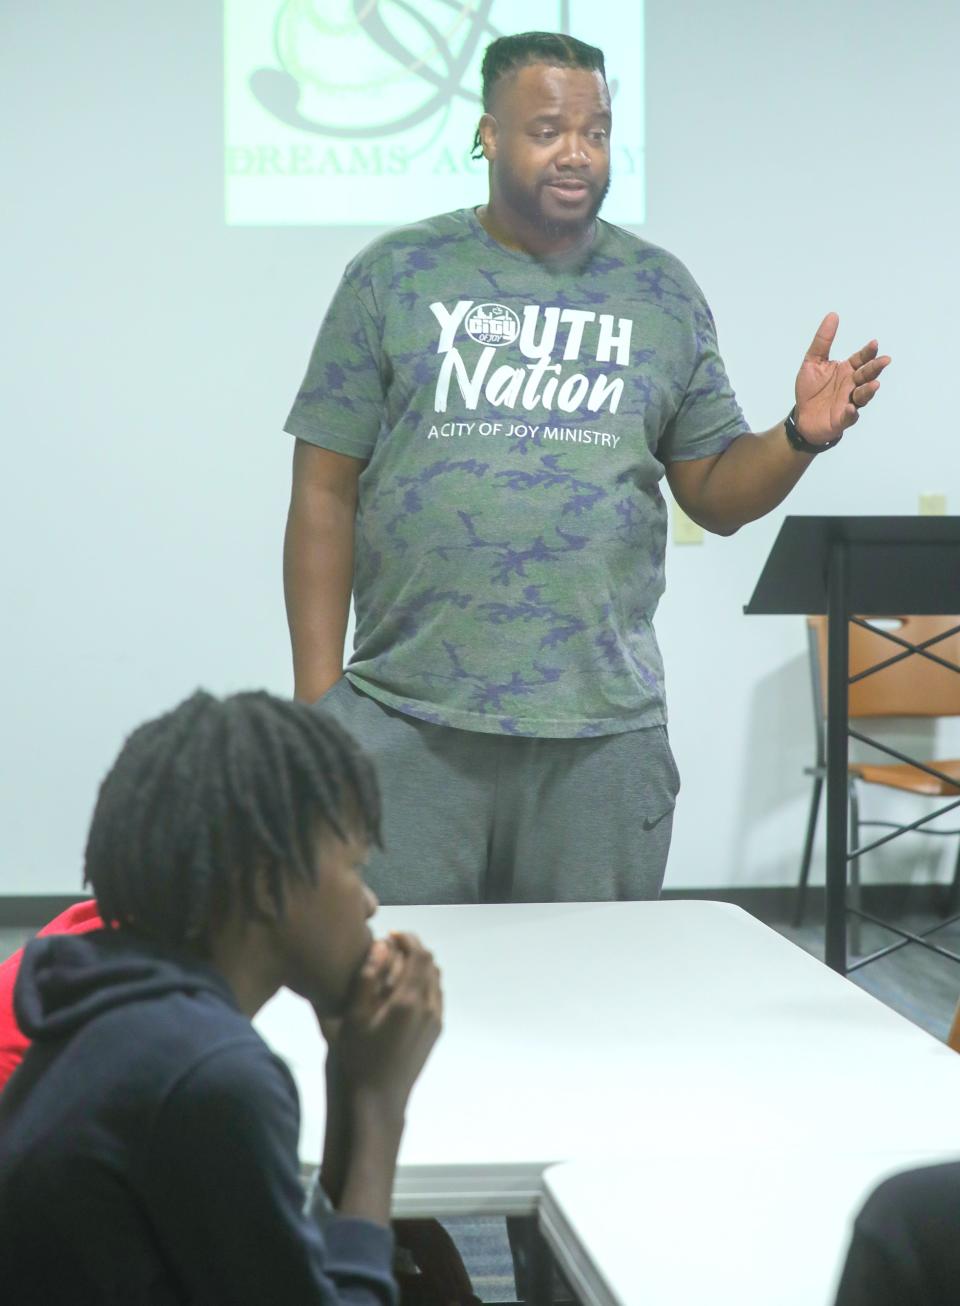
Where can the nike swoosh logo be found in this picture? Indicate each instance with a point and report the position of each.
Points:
(651, 825)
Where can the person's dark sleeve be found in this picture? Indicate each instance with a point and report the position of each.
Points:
(905, 1249)
(222, 1188)
(869, 1278)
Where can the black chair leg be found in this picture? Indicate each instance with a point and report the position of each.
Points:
(853, 869)
(953, 893)
(808, 849)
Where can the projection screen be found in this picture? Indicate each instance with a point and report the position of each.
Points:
(363, 112)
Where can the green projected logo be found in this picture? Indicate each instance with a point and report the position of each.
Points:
(351, 112)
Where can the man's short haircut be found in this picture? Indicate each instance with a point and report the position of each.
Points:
(508, 53)
(203, 798)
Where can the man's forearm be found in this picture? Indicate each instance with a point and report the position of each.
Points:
(337, 1139)
(750, 478)
(376, 1127)
(317, 582)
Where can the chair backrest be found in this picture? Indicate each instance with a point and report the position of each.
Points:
(953, 1038)
(914, 686)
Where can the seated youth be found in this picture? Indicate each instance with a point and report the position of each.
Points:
(148, 1139)
(905, 1248)
(77, 919)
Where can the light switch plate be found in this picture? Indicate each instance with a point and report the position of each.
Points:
(685, 531)
(933, 505)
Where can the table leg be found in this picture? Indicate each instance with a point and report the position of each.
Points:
(532, 1260)
(539, 1267)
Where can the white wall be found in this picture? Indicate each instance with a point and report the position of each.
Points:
(802, 158)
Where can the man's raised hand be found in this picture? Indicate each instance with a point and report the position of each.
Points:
(830, 394)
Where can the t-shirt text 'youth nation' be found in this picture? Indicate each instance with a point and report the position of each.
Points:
(543, 335)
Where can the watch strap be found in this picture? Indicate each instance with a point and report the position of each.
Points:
(798, 442)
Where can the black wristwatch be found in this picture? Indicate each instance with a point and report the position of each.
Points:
(798, 442)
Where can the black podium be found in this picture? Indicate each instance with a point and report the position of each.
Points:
(871, 567)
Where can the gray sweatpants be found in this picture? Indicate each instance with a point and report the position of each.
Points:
(470, 817)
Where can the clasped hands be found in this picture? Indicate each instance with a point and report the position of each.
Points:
(830, 394)
(393, 1018)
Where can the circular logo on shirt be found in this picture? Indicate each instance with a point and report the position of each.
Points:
(492, 324)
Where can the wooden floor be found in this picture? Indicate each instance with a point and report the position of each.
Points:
(919, 984)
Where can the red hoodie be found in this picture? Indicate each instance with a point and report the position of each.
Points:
(79, 919)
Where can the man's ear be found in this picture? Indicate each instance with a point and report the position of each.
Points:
(487, 128)
(263, 899)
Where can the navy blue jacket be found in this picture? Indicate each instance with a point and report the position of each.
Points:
(148, 1146)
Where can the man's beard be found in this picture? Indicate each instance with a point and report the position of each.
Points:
(527, 204)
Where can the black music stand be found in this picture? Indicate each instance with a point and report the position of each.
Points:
(874, 567)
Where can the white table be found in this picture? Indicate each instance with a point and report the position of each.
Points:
(592, 1031)
(743, 1229)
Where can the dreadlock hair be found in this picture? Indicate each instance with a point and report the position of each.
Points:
(203, 798)
(508, 53)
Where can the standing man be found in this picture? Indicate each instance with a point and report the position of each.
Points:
(491, 403)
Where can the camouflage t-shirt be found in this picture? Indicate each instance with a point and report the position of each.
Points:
(515, 417)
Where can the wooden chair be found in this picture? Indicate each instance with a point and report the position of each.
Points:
(953, 1038)
(913, 686)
